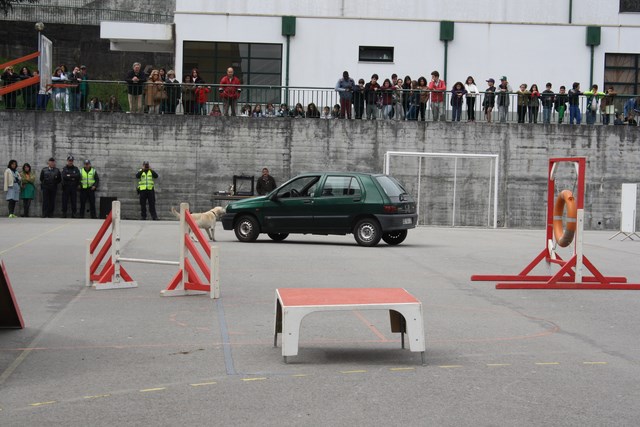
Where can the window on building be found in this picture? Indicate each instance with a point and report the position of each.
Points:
(375, 54)
(629, 6)
(256, 64)
(622, 71)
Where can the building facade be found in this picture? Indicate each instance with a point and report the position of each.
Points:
(544, 41)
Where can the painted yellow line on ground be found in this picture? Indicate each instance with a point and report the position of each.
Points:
(299, 375)
(32, 239)
(201, 384)
(254, 379)
(498, 364)
(547, 363)
(97, 396)
(402, 369)
(356, 371)
(146, 390)
(42, 403)
(450, 366)
(595, 363)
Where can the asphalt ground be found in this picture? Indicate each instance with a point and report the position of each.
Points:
(494, 357)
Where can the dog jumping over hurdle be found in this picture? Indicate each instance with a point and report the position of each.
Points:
(205, 220)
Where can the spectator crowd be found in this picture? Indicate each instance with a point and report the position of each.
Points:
(157, 91)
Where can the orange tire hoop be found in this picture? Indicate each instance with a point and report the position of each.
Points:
(563, 236)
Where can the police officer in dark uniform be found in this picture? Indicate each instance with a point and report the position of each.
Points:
(49, 180)
(70, 182)
(146, 192)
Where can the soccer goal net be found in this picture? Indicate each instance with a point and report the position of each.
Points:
(451, 189)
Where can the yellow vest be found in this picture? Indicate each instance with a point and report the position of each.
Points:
(88, 178)
(146, 181)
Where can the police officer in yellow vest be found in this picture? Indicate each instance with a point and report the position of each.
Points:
(88, 185)
(145, 190)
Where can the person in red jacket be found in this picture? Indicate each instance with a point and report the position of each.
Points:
(201, 99)
(229, 92)
(437, 88)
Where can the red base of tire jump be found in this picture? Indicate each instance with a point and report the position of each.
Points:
(566, 277)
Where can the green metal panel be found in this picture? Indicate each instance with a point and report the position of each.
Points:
(288, 25)
(593, 36)
(446, 30)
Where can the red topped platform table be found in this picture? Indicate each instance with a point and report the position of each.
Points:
(293, 304)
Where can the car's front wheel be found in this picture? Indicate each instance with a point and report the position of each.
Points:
(395, 237)
(367, 232)
(247, 229)
(278, 237)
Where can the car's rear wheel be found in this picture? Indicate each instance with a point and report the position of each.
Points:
(278, 237)
(247, 229)
(395, 237)
(367, 232)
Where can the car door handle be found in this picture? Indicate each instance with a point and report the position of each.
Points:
(356, 199)
(308, 202)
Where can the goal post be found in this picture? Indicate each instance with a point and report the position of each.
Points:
(488, 185)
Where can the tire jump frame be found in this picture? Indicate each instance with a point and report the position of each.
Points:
(571, 273)
(187, 280)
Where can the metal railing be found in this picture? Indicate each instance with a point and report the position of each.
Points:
(190, 99)
(78, 12)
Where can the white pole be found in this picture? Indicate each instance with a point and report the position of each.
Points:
(184, 207)
(489, 196)
(578, 246)
(419, 188)
(87, 264)
(215, 272)
(455, 183)
(115, 240)
(495, 192)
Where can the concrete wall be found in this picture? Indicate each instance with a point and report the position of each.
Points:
(196, 156)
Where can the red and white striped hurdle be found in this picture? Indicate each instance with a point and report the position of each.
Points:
(108, 273)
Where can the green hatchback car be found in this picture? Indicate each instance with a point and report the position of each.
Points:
(371, 206)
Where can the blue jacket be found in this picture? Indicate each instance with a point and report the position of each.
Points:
(345, 88)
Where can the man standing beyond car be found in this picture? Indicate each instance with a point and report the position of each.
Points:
(146, 191)
(135, 79)
(70, 182)
(49, 180)
(229, 92)
(88, 185)
(345, 88)
(265, 183)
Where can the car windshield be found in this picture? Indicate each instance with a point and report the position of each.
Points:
(390, 186)
(300, 187)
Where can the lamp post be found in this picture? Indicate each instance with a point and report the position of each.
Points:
(39, 28)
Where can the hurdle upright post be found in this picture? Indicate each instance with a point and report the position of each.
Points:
(215, 272)
(115, 276)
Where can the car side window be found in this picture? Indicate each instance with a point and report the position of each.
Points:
(338, 186)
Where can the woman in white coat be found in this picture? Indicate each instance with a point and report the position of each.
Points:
(472, 93)
(12, 186)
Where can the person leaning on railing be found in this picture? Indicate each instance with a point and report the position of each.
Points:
(188, 95)
(135, 85)
(172, 86)
(29, 93)
(154, 92)
(58, 81)
(229, 91)
(607, 107)
(9, 77)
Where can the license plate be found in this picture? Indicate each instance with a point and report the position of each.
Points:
(406, 221)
